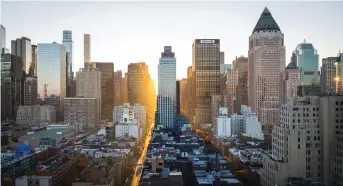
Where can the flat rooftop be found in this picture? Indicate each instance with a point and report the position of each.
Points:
(49, 133)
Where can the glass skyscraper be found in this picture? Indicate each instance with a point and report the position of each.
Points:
(21, 47)
(2, 37)
(51, 75)
(306, 58)
(68, 44)
(167, 88)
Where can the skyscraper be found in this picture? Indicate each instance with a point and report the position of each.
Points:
(241, 65)
(137, 75)
(231, 88)
(2, 37)
(87, 48)
(88, 85)
(107, 87)
(33, 70)
(117, 80)
(206, 71)
(167, 88)
(68, 44)
(22, 48)
(265, 66)
(51, 75)
(306, 58)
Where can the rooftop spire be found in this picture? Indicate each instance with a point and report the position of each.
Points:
(266, 11)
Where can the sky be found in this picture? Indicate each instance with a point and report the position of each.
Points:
(128, 32)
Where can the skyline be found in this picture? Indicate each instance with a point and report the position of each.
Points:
(179, 31)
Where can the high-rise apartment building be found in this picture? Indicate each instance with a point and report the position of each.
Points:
(33, 70)
(292, 79)
(265, 65)
(81, 112)
(231, 89)
(206, 72)
(328, 75)
(22, 48)
(167, 88)
(297, 144)
(241, 65)
(107, 87)
(68, 44)
(331, 130)
(307, 58)
(30, 91)
(117, 81)
(88, 85)
(51, 76)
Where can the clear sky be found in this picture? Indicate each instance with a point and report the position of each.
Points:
(126, 32)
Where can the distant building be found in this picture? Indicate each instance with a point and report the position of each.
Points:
(117, 80)
(30, 91)
(241, 65)
(35, 115)
(88, 85)
(68, 44)
(308, 90)
(339, 74)
(246, 124)
(52, 75)
(33, 70)
(86, 48)
(81, 113)
(328, 75)
(21, 47)
(223, 128)
(231, 89)
(2, 37)
(306, 57)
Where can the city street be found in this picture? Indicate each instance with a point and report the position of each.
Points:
(137, 173)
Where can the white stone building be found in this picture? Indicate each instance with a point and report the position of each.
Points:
(138, 110)
(36, 115)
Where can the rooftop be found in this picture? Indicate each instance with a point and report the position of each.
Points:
(54, 132)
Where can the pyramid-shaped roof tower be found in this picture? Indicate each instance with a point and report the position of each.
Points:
(266, 22)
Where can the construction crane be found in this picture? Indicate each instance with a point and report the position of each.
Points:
(45, 91)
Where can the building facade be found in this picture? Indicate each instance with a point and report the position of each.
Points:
(117, 80)
(137, 109)
(265, 65)
(167, 99)
(52, 76)
(81, 113)
(231, 89)
(328, 75)
(241, 65)
(68, 44)
(128, 125)
(33, 70)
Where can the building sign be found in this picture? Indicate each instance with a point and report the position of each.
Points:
(207, 41)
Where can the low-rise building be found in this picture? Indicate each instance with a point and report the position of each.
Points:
(33, 180)
(223, 123)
